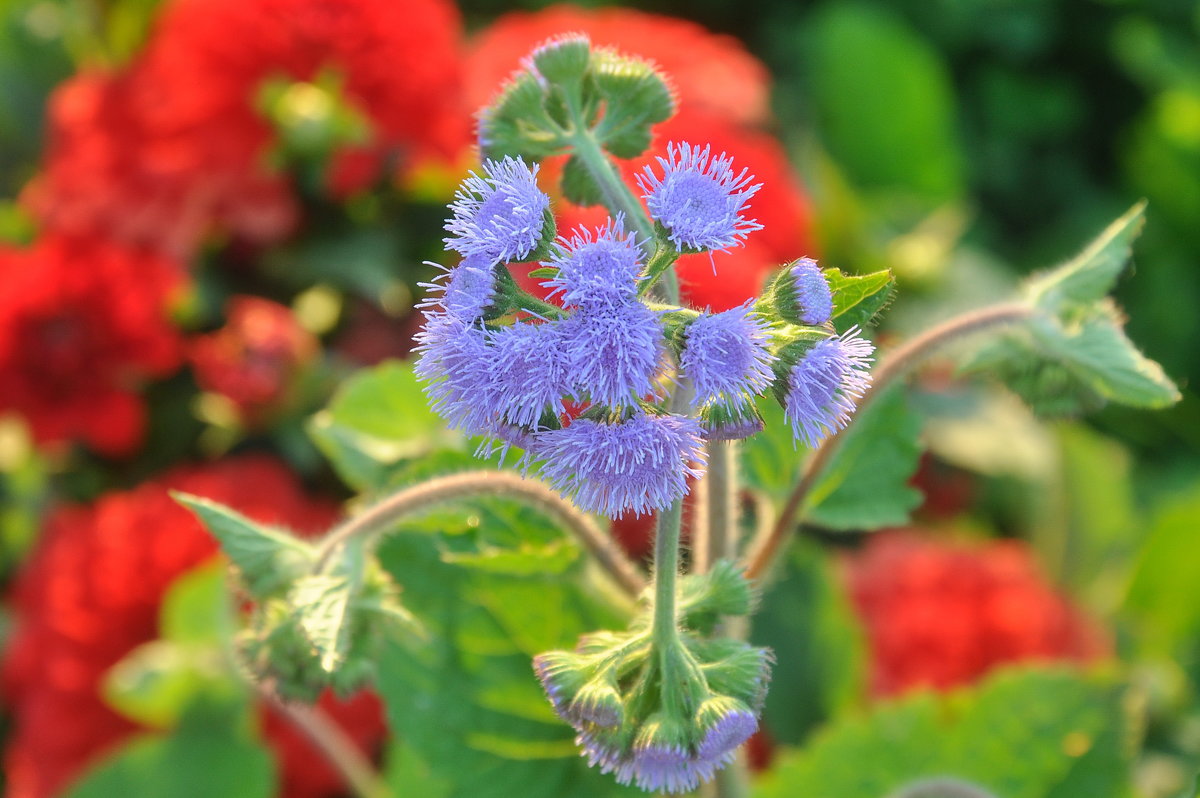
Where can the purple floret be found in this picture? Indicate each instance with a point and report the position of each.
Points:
(813, 298)
(500, 214)
(699, 199)
(638, 465)
(825, 385)
(596, 268)
(614, 351)
(726, 354)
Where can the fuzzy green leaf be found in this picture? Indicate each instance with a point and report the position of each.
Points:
(322, 605)
(578, 185)
(865, 484)
(859, 298)
(378, 420)
(266, 558)
(1090, 275)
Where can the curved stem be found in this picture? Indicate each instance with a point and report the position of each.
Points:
(333, 743)
(387, 512)
(898, 363)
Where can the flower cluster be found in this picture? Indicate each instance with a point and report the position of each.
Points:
(663, 717)
(90, 594)
(941, 615)
(500, 363)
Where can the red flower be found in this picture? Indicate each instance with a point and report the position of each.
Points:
(939, 615)
(711, 72)
(255, 358)
(83, 323)
(176, 146)
(91, 593)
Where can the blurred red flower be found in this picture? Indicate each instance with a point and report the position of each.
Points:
(255, 358)
(176, 146)
(90, 594)
(83, 322)
(939, 614)
(722, 91)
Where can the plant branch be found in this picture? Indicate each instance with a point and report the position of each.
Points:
(387, 512)
(333, 743)
(898, 363)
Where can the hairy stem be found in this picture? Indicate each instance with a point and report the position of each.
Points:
(897, 364)
(384, 514)
(666, 569)
(719, 509)
(333, 743)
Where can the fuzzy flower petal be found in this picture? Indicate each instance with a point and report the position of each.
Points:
(824, 386)
(813, 298)
(464, 291)
(614, 351)
(726, 354)
(699, 198)
(499, 215)
(637, 465)
(603, 267)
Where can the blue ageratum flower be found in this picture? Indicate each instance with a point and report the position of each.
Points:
(464, 291)
(597, 268)
(614, 351)
(528, 373)
(700, 200)
(726, 355)
(501, 214)
(814, 302)
(825, 385)
(452, 359)
(638, 465)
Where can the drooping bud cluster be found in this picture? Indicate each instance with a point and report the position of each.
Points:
(665, 718)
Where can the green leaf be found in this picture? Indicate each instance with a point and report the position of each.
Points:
(322, 606)
(859, 298)
(771, 459)
(266, 558)
(884, 102)
(1091, 275)
(865, 483)
(635, 97)
(1164, 593)
(1021, 734)
(524, 560)
(196, 608)
(376, 421)
(806, 620)
(468, 703)
(200, 759)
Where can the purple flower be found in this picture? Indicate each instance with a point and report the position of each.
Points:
(637, 465)
(699, 199)
(500, 215)
(825, 384)
(665, 768)
(614, 351)
(529, 372)
(727, 724)
(452, 357)
(726, 354)
(814, 303)
(464, 291)
(600, 268)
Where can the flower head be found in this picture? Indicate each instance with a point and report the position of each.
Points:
(500, 215)
(825, 384)
(452, 357)
(812, 299)
(637, 465)
(727, 723)
(466, 290)
(726, 354)
(529, 372)
(614, 351)
(699, 199)
(600, 268)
